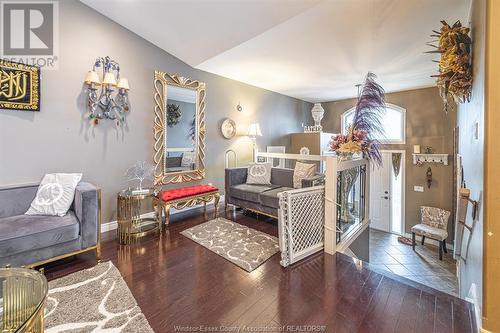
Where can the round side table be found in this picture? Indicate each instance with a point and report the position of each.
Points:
(131, 225)
(22, 300)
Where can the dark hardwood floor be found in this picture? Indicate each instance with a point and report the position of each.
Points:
(180, 283)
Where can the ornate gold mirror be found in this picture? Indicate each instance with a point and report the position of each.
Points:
(178, 129)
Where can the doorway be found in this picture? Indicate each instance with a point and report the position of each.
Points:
(387, 199)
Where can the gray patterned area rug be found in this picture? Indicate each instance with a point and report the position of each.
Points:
(243, 246)
(93, 300)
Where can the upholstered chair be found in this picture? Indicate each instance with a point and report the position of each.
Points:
(434, 222)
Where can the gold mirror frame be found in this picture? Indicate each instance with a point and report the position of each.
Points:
(161, 82)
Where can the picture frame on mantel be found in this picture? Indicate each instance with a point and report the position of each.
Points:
(19, 86)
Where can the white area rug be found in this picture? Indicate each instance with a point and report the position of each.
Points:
(243, 246)
(93, 300)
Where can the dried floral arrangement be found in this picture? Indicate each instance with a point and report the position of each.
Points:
(174, 114)
(455, 66)
(366, 125)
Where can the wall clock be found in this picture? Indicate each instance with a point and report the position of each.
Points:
(228, 128)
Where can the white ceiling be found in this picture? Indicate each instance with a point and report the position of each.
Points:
(315, 50)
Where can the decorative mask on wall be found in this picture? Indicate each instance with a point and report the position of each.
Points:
(396, 163)
(108, 99)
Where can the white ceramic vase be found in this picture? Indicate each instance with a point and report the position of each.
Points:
(317, 113)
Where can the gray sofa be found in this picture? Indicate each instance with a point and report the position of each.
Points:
(261, 198)
(32, 240)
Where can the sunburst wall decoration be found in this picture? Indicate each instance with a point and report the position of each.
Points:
(455, 66)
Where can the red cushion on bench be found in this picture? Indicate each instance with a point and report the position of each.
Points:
(179, 193)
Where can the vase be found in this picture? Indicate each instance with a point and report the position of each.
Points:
(317, 113)
(344, 156)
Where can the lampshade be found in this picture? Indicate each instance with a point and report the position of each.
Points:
(254, 130)
(123, 84)
(109, 79)
(92, 77)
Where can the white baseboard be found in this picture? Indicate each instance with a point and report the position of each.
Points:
(429, 241)
(472, 297)
(109, 226)
(114, 224)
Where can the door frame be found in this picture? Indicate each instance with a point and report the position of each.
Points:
(403, 188)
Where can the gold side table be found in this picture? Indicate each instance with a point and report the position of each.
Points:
(22, 300)
(131, 225)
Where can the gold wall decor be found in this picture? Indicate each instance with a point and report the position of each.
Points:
(19, 86)
(455, 66)
(165, 84)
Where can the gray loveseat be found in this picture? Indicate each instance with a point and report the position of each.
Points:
(261, 198)
(31, 240)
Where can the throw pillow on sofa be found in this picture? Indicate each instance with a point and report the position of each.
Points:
(55, 194)
(259, 173)
(302, 171)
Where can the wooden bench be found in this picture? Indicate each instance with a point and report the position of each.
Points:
(181, 198)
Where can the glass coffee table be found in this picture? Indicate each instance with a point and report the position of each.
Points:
(22, 300)
(131, 222)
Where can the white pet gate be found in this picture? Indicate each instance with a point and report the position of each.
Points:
(301, 222)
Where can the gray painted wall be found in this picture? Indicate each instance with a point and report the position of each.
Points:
(60, 138)
(472, 152)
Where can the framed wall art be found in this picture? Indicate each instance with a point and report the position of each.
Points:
(19, 86)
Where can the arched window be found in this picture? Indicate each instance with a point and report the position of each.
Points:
(394, 121)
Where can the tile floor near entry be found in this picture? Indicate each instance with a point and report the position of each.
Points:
(422, 265)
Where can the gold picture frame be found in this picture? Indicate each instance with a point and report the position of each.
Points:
(19, 86)
(161, 81)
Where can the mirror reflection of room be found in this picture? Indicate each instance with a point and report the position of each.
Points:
(180, 129)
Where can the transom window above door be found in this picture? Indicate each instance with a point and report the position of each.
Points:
(393, 120)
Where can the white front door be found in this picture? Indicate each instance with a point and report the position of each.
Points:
(380, 190)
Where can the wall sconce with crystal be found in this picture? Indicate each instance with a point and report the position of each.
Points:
(107, 99)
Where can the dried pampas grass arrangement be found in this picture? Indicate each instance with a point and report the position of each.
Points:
(455, 66)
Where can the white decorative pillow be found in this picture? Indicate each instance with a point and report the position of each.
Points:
(55, 194)
(188, 158)
(259, 173)
(302, 171)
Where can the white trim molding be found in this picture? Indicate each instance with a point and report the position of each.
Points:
(383, 141)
